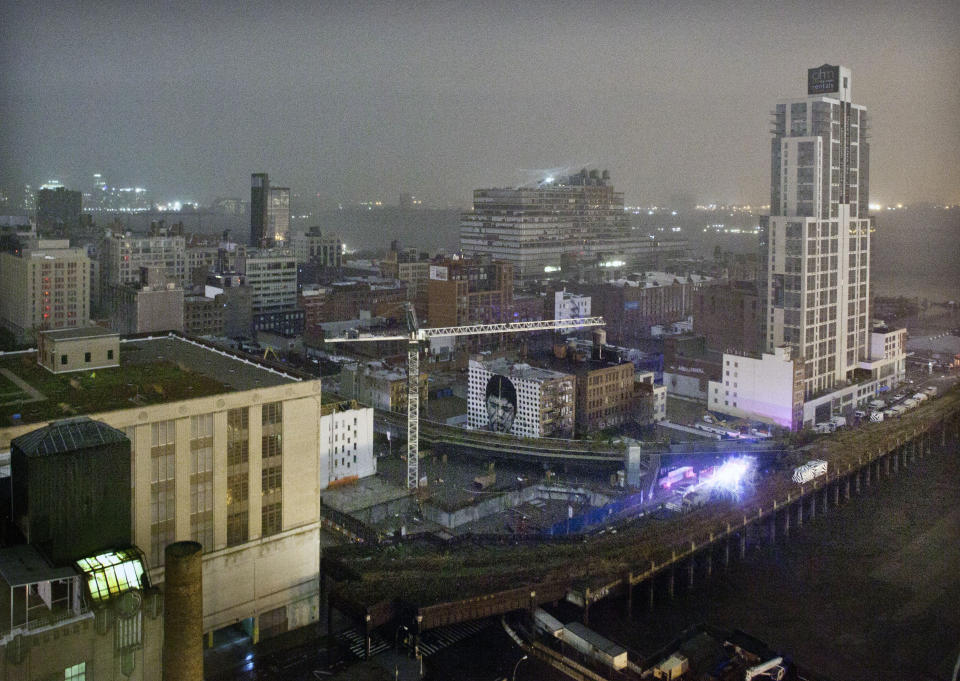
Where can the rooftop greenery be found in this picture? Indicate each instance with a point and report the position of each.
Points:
(97, 390)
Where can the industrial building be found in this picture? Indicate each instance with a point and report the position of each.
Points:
(519, 399)
(769, 387)
(224, 452)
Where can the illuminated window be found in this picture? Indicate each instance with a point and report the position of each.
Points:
(111, 574)
(77, 672)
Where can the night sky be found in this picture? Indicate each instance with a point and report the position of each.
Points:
(354, 101)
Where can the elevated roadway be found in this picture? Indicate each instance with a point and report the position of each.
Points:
(557, 450)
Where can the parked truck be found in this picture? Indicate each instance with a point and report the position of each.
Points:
(810, 470)
(931, 390)
(920, 397)
(839, 421)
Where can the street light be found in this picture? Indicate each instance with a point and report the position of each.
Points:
(517, 665)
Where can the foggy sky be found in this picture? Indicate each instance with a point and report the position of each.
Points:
(355, 101)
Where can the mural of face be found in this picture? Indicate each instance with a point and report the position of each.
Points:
(501, 401)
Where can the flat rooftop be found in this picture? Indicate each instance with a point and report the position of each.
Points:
(151, 371)
(80, 332)
(521, 371)
(22, 564)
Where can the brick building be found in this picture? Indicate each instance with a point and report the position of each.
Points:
(469, 291)
(632, 306)
(729, 316)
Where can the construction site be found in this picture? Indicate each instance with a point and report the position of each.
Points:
(435, 576)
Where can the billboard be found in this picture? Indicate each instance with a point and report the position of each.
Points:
(500, 400)
(438, 272)
(823, 80)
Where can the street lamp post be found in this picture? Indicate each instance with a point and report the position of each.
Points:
(514, 677)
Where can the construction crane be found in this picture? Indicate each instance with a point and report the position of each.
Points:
(416, 337)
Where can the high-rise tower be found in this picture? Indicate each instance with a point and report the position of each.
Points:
(816, 242)
(259, 207)
(278, 214)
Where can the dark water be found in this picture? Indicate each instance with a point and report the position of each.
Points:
(424, 229)
(916, 251)
(870, 591)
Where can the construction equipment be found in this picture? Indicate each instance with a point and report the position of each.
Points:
(416, 337)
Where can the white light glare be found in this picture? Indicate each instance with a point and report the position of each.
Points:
(731, 475)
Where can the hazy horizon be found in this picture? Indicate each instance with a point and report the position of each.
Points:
(346, 102)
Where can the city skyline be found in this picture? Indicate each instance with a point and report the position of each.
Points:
(316, 96)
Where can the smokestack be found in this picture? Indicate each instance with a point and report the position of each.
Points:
(183, 612)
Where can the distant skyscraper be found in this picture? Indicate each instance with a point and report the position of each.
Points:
(816, 242)
(259, 207)
(278, 214)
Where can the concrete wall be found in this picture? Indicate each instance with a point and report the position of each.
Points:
(685, 385)
(760, 389)
(509, 499)
(51, 353)
(49, 651)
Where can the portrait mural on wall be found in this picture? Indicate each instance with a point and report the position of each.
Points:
(501, 402)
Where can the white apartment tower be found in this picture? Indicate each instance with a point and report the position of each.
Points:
(816, 242)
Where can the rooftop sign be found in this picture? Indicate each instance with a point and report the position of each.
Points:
(823, 79)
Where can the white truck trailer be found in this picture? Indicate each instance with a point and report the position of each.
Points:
(591, 643)
(810, 470)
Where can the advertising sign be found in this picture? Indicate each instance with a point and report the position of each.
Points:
(438, 272)
(823, 80)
